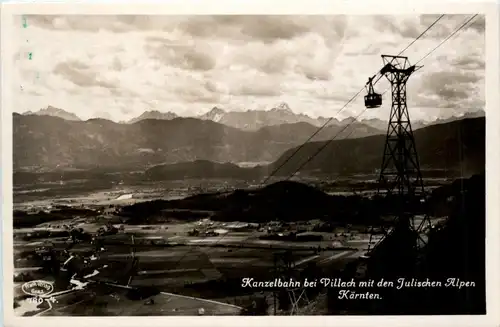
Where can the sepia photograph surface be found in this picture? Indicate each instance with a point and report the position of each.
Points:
(247, 165)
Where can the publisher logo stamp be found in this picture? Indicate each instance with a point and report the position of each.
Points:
(37, 288)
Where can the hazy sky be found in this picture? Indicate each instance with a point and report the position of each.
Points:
(117, 67)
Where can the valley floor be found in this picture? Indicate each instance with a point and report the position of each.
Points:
(170, 259)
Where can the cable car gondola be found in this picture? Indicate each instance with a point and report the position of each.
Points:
(372, 99)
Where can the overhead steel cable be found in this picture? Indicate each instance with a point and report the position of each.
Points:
(309, 139)
(465, 23)
(324, 125)
(327, 143)
(449, 37)
(355, 119)
(421, 34)
(343, 107)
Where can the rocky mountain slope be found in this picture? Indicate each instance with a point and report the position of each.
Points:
(51, 142)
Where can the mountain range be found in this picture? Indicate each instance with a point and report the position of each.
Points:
(154, 114)
(46, 142)
(456, 146)
(252, 120)
(450, 149)
(255, 119)
(54, 112)
(194, 148)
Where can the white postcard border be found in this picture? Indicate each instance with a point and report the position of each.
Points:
(323, 7)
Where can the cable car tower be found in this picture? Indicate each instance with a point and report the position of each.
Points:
(134, 263)
(400, 179)
(400, 171)
(291, 300)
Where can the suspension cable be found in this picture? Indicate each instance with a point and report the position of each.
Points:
(343, 107)
(355, 119)
(331, 140)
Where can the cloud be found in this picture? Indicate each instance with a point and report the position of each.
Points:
(197, 95)
(75, 22)
(263, 28)
(448, 88)
(124, 65)
(117, 64)
(256, 89)
(79, 74)
(199, 56)
(478, 24)
(449, 23)
(469, 63)
(407, 27)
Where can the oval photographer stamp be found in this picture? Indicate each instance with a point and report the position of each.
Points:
(37, 288)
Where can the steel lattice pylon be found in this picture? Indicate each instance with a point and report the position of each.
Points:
(400, 171)
(400, 178)
(296, 297)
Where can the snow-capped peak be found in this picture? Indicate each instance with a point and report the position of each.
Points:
(283, 106)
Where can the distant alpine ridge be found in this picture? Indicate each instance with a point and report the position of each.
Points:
(281, 114)
(190, 148)
(253, 120)
(47, 141)
(54, 112)
(154, 114)
(256, 119)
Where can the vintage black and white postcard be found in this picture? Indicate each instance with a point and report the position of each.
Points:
(169, 164)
